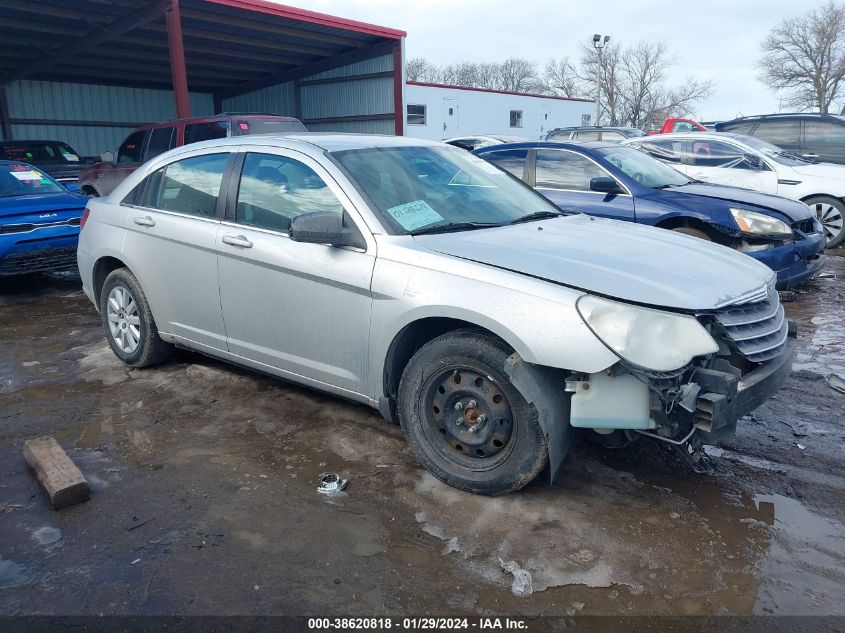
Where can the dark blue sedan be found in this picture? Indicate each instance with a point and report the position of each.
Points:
(39, 221)
(622, 183)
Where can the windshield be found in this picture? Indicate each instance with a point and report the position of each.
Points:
(416, 189)
(39, 152)
(18, 179)
(776, 153)
(646, 170)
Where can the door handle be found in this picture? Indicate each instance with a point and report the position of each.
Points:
(237, 240)
(144, 220)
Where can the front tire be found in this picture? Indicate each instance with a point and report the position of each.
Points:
(465, 421)
(688, 230)
(831, 213)
(128, 322)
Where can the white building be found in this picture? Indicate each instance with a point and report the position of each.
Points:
(437, 112)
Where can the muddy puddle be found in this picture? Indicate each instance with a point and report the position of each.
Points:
(205, 497)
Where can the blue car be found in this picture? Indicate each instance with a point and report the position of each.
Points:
(39, 221)
(622, 183)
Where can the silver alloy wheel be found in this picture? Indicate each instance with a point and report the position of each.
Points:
(124, 322)
(831, 219)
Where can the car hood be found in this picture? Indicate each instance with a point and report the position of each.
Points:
(23, 205)
(792, 209)
(626, 261)
(822, 170)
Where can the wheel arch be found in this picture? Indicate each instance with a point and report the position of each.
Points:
(678, 221)
(103, 267)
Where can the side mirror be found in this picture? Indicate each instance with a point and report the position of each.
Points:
(325, 227)
(107, 157)
(755, 161)
(72, 187)
(605, 184)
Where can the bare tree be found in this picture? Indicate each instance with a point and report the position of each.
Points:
(805, 58)
(560, 78)
(634, 84)
(517, 75)
(420, 69)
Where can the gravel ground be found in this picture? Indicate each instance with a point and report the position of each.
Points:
(204, 495)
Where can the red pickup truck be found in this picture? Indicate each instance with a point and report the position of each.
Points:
(679, 125)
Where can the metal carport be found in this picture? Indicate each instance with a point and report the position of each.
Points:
(88, 71)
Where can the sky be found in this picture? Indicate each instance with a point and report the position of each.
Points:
(717, 40)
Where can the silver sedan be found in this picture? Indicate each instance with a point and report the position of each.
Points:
(421, 280)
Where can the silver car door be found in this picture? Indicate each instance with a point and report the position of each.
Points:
(171, 234)
(302, 309)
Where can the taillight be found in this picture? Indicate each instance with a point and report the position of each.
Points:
(84, 218)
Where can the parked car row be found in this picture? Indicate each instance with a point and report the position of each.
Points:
(426, 282)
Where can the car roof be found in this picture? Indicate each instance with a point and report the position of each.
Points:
(571, 145)
(219, 117)
(326, 141)
(785, 115)
(729, 135)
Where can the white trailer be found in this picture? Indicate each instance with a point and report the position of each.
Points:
(436, 111)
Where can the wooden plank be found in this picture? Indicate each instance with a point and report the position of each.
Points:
(58, 475)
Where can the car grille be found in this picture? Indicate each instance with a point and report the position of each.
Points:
(805, 226)
(39, 261)
(758, 330)
(26, 227)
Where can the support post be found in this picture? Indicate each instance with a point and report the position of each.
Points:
(5, 119)
(398, 87)
(177, 60)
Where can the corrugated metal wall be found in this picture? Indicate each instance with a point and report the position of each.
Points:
(67, 101)
(347, 98)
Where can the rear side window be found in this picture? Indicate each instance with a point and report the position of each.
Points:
(558, 135)
(132, 148)
(189, 186)
(161, 140)
(512, 160)
(669, 151)
(276, 189)
(613, 137)
(784, 133)
(565, 170)
(196, 132)
(587, 135)
(739, 128)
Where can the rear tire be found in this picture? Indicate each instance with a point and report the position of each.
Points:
(831, 213)
(506, 450)
(128, 322)
(688, 230)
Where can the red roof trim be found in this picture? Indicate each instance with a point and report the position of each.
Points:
(501, 92)
(311, 17)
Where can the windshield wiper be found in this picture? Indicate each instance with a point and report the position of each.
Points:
(539, 215)
(669, 185)
(454, 226)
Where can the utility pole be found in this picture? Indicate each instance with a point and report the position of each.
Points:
(599, 42)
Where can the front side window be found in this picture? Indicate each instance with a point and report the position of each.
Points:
(416, 188)
(565, 170)
(783, 133)
(717, 154)
(132, 148)
(161, 140)
(189, 186)
(516, 118)
(512, 160)
(275, 189)
(416, 114)
(824, 133)
(196, 132)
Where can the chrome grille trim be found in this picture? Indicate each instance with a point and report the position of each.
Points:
(758, 330)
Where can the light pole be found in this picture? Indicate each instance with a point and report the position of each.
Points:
(599, 42)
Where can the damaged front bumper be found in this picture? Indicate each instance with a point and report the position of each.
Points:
(708, 399)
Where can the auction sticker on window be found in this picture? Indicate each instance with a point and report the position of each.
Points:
(30, 174)
(413, 215)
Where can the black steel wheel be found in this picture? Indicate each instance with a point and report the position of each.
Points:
(464, 419)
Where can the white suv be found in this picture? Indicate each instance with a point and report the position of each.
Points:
(750, 163)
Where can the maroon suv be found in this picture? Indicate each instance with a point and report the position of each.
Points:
(151, 140)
